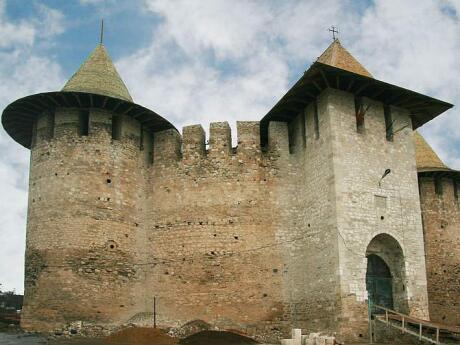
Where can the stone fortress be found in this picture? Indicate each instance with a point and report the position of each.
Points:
(296, 226)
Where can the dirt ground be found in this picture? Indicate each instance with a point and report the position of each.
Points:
(151, 336)
(129, 336)
(216, 338)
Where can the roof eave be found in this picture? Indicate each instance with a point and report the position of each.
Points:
(19, 116)
(321, 76)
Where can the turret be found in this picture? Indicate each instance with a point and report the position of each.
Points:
(439, 198)
(344, 129)
(89, 145)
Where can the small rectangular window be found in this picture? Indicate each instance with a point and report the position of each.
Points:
(316, 119)
(116, 127)
(83, 123)
(388, 122)
(438, 186)
(455, 183)
(360, 112)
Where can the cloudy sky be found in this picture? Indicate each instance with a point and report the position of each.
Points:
(197, 61)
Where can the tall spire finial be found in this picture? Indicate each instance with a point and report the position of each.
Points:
(334, 30)
(102, 32)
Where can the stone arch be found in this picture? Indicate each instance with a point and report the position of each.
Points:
(386, 258)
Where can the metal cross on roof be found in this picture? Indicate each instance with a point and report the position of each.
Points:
(334, 31)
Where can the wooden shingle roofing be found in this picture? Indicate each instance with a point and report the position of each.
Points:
(425, 156)
(336, 68)
(336, 55)
(96, 84)
(98, 75)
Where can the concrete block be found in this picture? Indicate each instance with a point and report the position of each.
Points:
(297, 336)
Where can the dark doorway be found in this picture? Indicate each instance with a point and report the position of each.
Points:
(379, 283)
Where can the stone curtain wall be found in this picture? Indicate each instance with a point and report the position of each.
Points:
(211, 229)
(441, 221)
(365, 210)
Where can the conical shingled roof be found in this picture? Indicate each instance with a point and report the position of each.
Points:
(98, 75)
(425, 156)
(337, 56)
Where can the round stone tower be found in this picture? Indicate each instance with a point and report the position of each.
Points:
(90, 145)
(439, 200)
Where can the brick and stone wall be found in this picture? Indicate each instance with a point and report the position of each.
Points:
(365, 209)
(83, 216)
(210, 229)
(248, 238)
(441, 222)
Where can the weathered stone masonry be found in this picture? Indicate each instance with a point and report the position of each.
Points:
(271, 234)
(441, 216)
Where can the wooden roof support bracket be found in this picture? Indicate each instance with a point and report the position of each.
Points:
(324, 77)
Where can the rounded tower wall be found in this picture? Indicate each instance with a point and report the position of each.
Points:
(83, 231)
(440, 206)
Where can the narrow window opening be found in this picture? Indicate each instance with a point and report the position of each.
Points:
(83, 121)
(141, 139)
(304, 127)
(455, 183)
(438, 186)
(51, 124)
(116, 127)
(147, 146)
(316, 119)
(292, 136)
(359, 112)
(34, 134)
(388, 122)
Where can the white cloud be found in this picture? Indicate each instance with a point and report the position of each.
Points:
(222, 61)
(49, 21)
(183, 73)
(21, 33)
(23, 71)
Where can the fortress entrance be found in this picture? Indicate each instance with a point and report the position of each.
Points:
(379, 283)
(386, 274)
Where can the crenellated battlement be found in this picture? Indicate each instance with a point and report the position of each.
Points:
(362, 118)
(193, 142)
(191, 147)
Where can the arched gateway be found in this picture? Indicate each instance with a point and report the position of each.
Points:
(385, 275)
